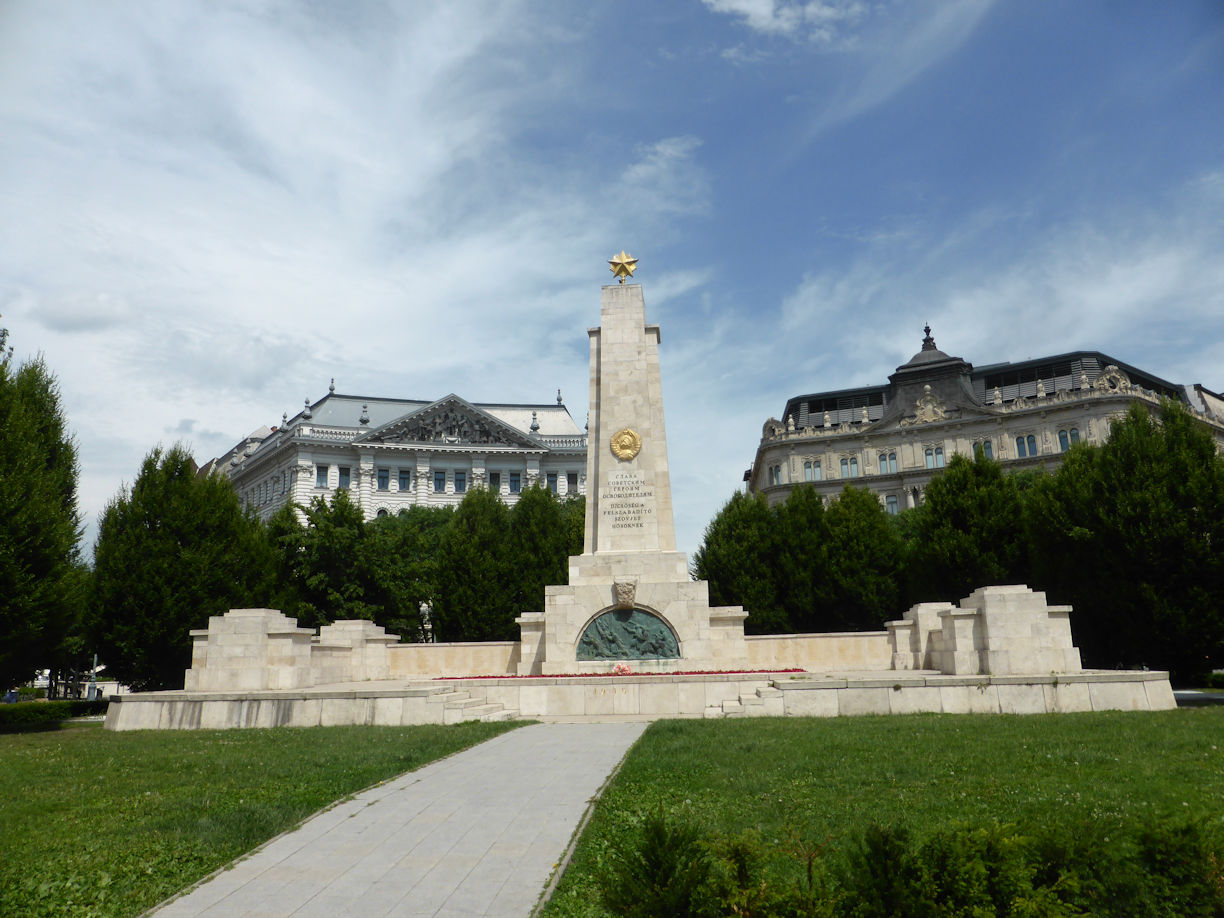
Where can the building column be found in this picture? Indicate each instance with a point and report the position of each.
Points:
(424, 477)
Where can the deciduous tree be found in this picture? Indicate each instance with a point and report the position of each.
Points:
(968, 533)
(1131, 533)
(475, 598)
(738, 557)
(172, 549)
(863, 562)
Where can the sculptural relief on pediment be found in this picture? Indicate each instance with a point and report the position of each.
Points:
(1112, 380)
(449, 423)
(929, 408)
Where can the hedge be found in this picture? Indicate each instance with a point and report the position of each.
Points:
(33, 713)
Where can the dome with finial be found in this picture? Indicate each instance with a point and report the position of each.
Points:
(929, 353)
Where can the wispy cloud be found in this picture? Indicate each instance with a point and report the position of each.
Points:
(820, 21)
(1146, 282)
(902, 49)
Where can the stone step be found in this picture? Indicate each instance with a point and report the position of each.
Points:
(500, 715)
(733, 709)
(448, 697)
(471, 709)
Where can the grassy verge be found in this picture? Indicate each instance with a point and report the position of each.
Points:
(99, 824)
(809, 783)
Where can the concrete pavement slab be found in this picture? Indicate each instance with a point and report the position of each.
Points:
(478, 833)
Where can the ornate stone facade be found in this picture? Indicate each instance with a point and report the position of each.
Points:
(393, 453)
(892, 439)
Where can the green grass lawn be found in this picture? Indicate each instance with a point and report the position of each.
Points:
(95, 823)
(814, 781)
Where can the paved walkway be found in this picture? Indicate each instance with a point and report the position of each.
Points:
(475, 834)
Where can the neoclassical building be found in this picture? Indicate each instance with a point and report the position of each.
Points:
(392, 453)
(894, 438)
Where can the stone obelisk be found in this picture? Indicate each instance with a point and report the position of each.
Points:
(629, 506)
(629, 599)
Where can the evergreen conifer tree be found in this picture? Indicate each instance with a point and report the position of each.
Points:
(41, 583)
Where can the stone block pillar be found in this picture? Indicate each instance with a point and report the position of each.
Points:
(247, 650)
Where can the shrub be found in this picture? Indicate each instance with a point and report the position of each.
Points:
(662, 874)
(885, 878)
(34, 713)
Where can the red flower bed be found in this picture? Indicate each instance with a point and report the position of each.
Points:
(687, 672)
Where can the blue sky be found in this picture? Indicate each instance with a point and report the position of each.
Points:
(207, 210)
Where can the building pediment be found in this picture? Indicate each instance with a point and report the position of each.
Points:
(451, 421)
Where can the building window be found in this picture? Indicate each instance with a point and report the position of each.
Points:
(551, 478)
(1067, 437)
(934, 457)
(516, 482)
(890, 504)
(985, 449)
(571, 482)
(344, 477)
(930, 458)
(888, 463)
(384, 479)
(320, 476)
(811, 470)
(775, 474)
(854, 467)
(405, 479)
(382, 512)
(439, 481)
(460, 482)
(495, 482)
(1074, 435)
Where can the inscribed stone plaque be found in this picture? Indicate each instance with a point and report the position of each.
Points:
(626, 502)
(632, 635)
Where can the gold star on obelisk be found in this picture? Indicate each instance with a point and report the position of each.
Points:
(623, 265)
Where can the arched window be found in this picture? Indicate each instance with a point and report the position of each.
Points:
(1064, 441)
(939, 457)
(1020, 451)
(845, 468)
(381, 513)
(890, 504)
(854, 467)
(811, 470)
(1074, 434)
(1032, 444)
(930, 458)
(888, 463)
(986, 447)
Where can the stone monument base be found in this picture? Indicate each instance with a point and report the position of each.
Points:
(635, 609)
(1003, 650)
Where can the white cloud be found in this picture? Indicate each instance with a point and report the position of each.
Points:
(1128, 284)
(902, 49)
(206, 211)
(821, 21)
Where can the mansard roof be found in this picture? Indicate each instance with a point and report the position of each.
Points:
(973, 389)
